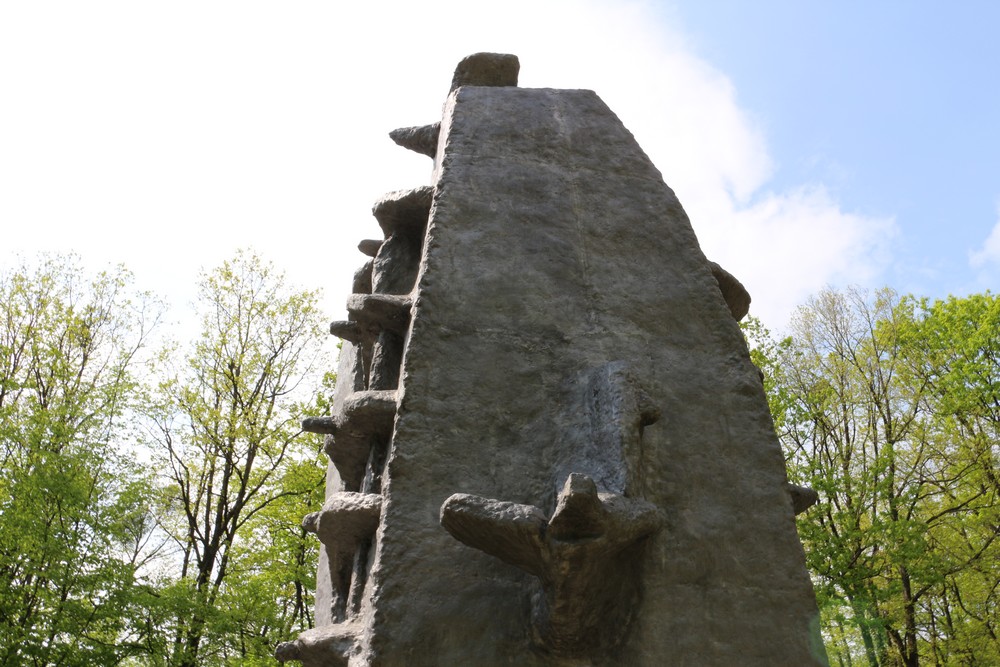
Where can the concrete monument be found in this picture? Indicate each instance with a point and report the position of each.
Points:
(548, 444)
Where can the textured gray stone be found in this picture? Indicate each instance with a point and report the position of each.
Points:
(422, 139)
(346, 519)
(327, 646)
(802, 497)
(394, 269)
(486, 69)
(387, 355)
(733, 291)
(321, 425)
(381, 311)
(347, 330)
(404, 210)
(369, 247)
(554, 247)
(363, 280)
(362, 418)
(585, 557)
(569, 394)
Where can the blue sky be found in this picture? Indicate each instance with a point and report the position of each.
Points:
(810, 143)
(894, 106)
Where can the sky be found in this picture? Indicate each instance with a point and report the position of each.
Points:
(811, 144)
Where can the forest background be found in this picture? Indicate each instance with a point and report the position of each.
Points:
(152, 492)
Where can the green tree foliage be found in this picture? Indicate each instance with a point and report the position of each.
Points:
(237, 477)
(888, 407)
(955, 347)
(74, 509)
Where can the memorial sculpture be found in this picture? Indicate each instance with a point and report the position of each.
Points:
(548, 443)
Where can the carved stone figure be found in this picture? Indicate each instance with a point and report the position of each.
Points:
(548, 444)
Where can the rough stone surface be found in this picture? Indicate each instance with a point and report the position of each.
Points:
(363, 280)
(802, 497)
(350, 378)
(345, 524)
(363, 418)
(553, 249)
(394, 269)
(404, 210)
(733, 291)
(422, 139)
(369, 246)
(585, 557)
(327, 646)
(387, 355)
(321, 425)
(346, 330)
(346, 519)
(486, 69)
(381, 311)
(575, 403)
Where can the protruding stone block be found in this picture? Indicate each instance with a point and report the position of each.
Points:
(365, 417)
(802, 497)
(321, 425)
(327, 646)
(512, 532)
(578, 514)
(422, 139)
(369, 247)
(487, 69)
(404, 209)
(346, 519)
(346, 330)
(383, 311)
(371, 411)
(733, 291)
(345, 526)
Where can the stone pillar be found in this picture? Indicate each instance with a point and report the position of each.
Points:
(549, 445)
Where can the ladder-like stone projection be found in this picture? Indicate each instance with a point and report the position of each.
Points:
(548, 444)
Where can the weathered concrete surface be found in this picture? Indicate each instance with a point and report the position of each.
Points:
(554, 248)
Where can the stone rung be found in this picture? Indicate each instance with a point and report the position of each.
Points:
(347, 518)
(404, 209)
(384, 311)
(364, 417)
(327, 646)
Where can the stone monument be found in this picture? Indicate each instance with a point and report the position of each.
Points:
(548, 443)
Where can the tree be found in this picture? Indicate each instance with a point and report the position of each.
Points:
(226, 435)
(885, 405)
(955, 351)
(74, 509)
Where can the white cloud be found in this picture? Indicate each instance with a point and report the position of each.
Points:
(166, 136)
(786, 247)
(989, 253)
